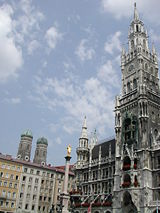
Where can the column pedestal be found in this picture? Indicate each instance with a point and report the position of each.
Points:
(65, 196)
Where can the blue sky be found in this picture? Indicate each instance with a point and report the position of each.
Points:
(60, 61)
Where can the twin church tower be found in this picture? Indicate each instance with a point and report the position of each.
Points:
(25, 146)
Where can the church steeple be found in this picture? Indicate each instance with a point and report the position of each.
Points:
(83, 150)
(137, 33)
(140, 65)
(84, 129)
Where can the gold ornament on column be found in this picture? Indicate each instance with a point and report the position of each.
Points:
(69, 150)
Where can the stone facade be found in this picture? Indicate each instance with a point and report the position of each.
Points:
(10, 175)
(25, 146)
(30, 187)
(133, 167)
(137, 125)
(40, 156)
(94, 173)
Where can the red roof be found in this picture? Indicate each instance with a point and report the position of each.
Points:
(29, 163)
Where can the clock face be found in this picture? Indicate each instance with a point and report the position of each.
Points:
(131, 68)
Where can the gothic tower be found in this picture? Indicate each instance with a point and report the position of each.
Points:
(137, 123)
(25, 145)
(41, 151)
(82, 155)
(82, 150)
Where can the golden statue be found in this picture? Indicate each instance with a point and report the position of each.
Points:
(69, 150)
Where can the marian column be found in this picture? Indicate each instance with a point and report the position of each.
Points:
(65, 196)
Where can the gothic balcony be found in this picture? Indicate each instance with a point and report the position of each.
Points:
(135, 166)
(96, 204)
(136, 183)
(82, 149)
(126, 184)
(107, 203)
(126, 167)
(75, 192)
(77, 205)
(85, 204)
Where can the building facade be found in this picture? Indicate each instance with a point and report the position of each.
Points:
(137, 126)
(10, 175)
(30, 187)
(94, 173)
(131, 161)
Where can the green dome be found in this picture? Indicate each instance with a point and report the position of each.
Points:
(27, 133)
(42, 140)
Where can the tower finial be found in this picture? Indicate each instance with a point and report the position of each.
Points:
(134, 4)
(136, 16)
(85, 122)
(84, 129)
(153, 49)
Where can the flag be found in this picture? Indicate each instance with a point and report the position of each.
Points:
(89, 209)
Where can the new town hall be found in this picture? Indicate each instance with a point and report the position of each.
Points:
(123, 174)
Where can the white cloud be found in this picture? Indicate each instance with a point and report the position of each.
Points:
(14, 101)
(108, 74)
(154, 37)
(10, 54)
(53, 36)
(53, 127)
(120, 8)
(84, 52)
(27, 23)
(93, 97)
(58, 140)
(113, 43)
(124, 8)
(32, 46)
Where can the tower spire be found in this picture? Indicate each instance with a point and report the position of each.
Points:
(136, 16)
(153, 49)
(84, 129)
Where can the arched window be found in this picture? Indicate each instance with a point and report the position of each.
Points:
(151, 70)
(144, 43)
(155, 133)
(128, 87)
(126, 160)
(126, 163)
(134, 84)
(146, 66)
(127, 178)
(137, 29)
(132, 44)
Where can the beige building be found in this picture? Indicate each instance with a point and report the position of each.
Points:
(10, 176)
(27, 186)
